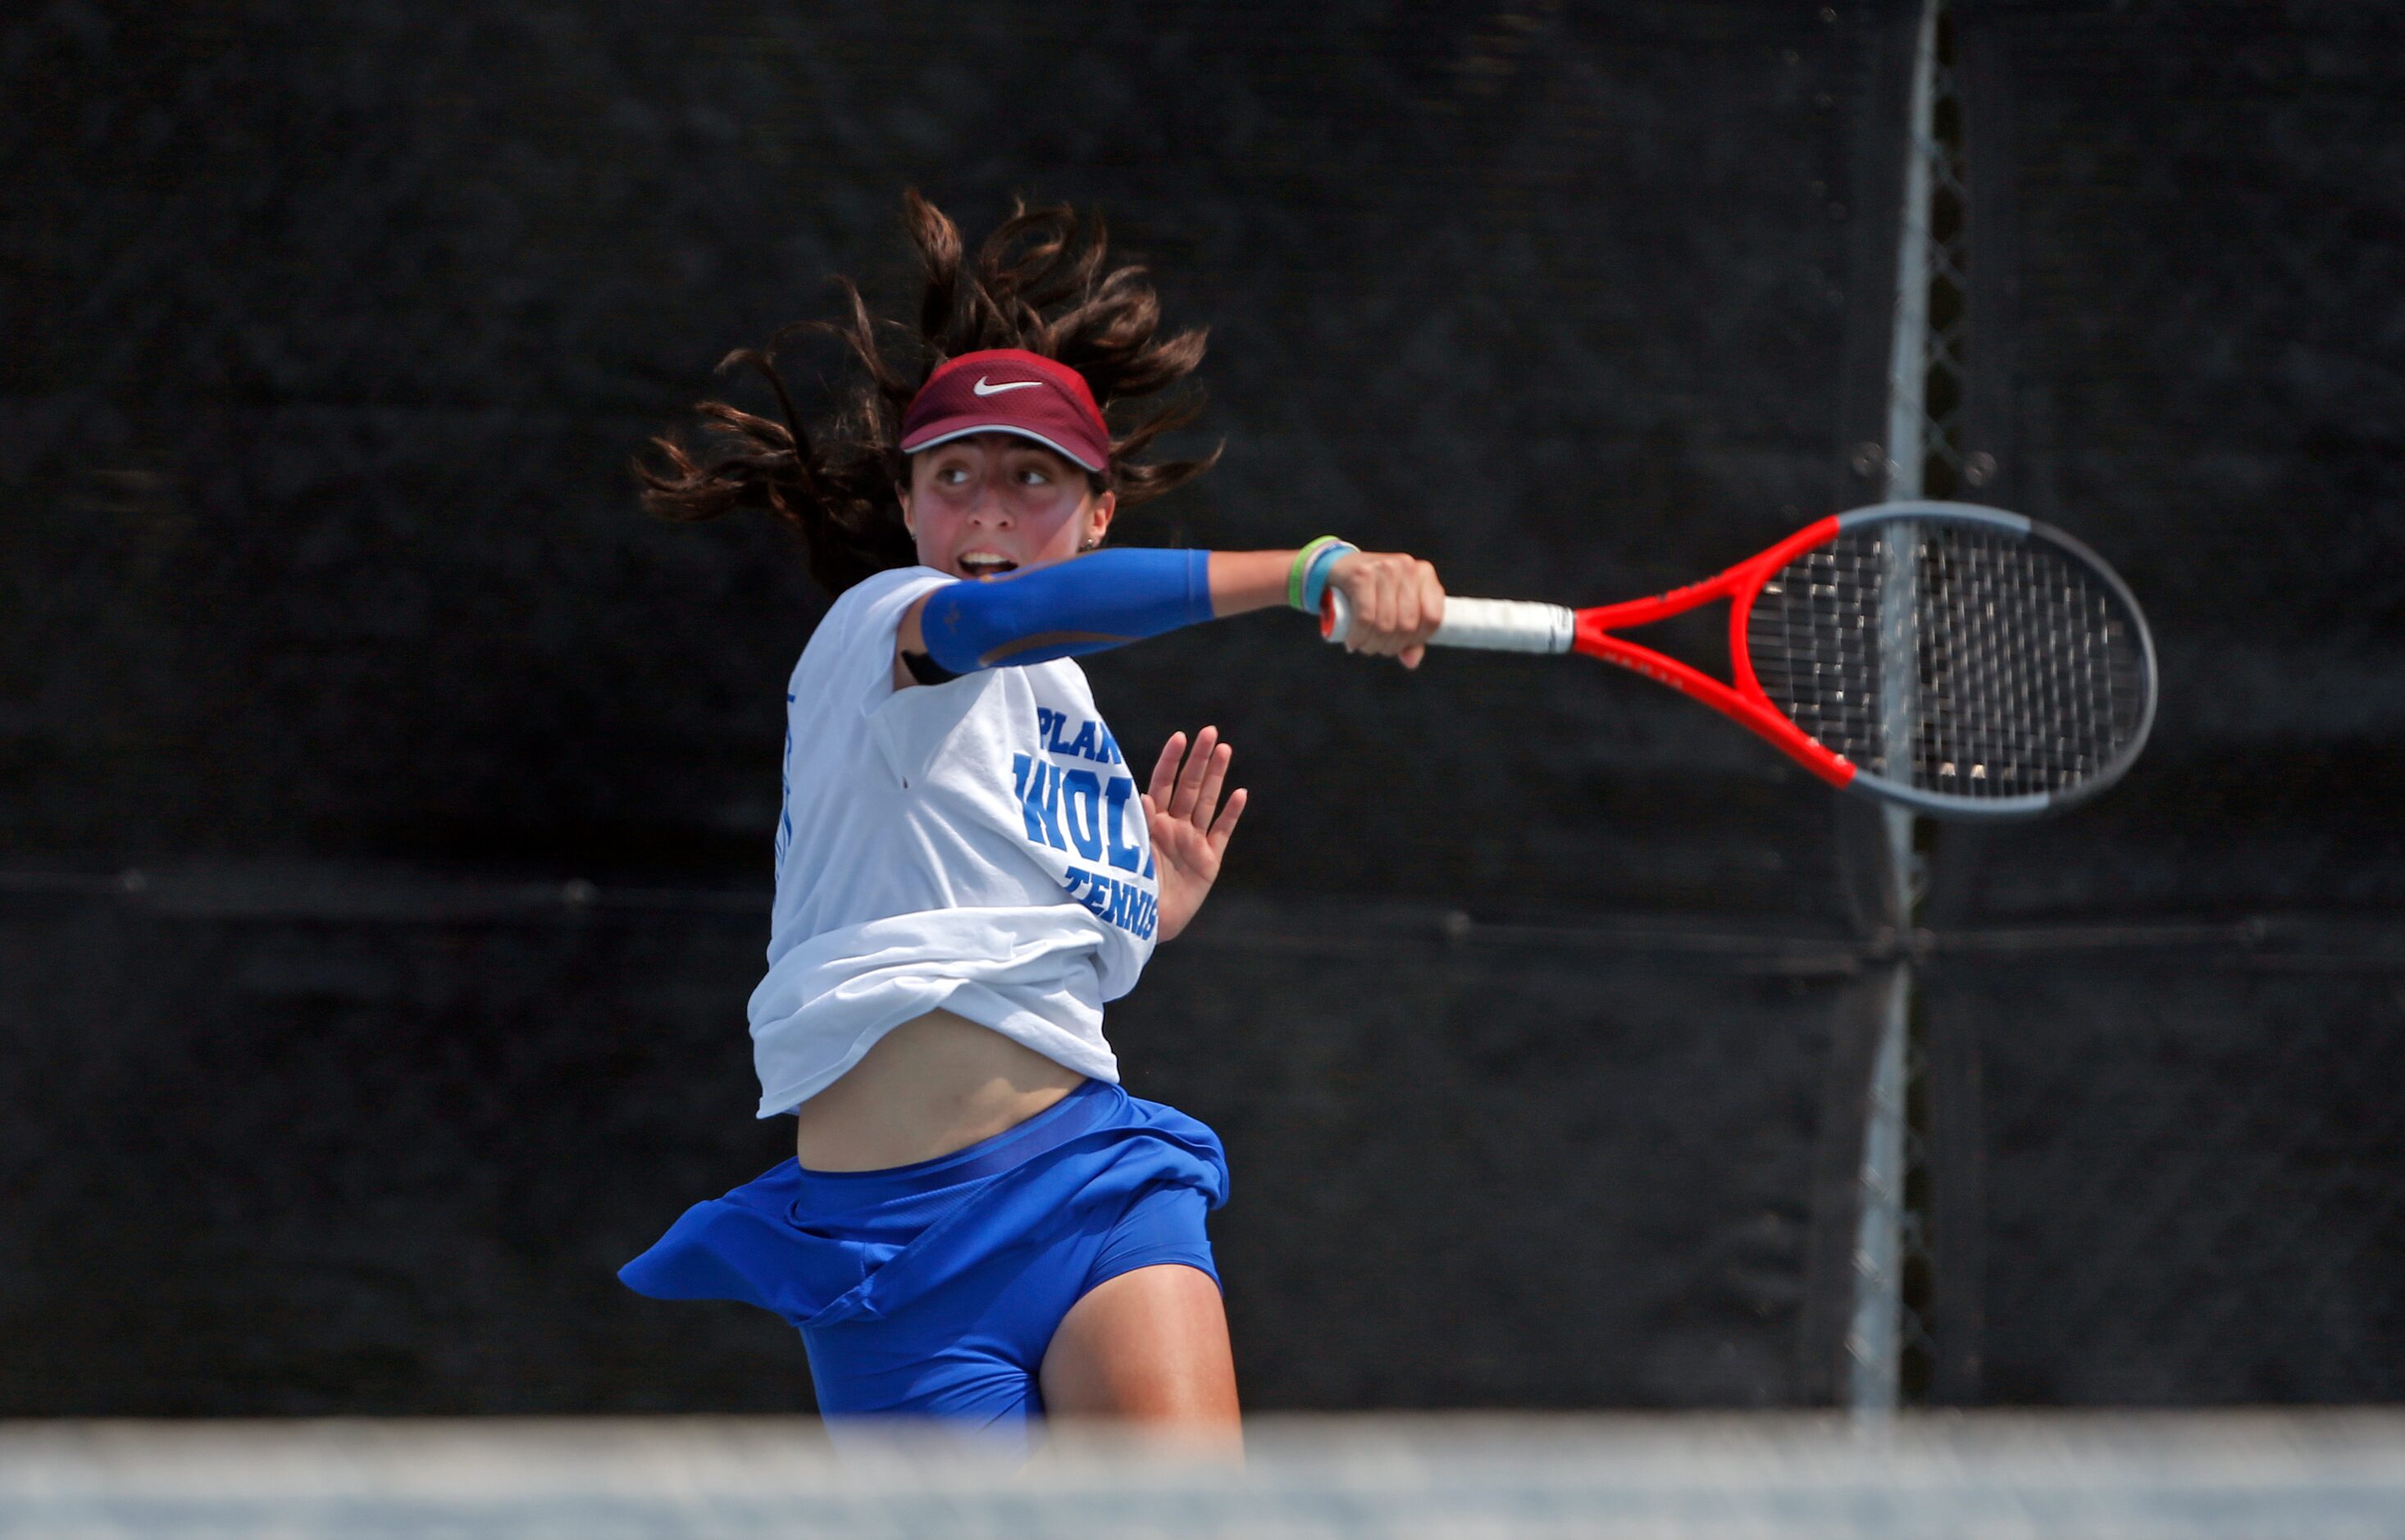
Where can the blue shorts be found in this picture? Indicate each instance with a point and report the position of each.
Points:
(932, 1290)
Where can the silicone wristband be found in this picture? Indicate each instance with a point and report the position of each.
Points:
(1314, 579)
(1302, 563)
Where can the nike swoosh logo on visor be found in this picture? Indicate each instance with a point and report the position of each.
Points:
(983, 388)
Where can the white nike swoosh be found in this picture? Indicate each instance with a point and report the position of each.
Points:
(983, 388)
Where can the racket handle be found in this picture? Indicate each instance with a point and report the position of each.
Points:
(1489, 625)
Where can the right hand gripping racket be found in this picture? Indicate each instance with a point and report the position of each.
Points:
(1961, 661)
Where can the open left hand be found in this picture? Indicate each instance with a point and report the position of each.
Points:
(1189, 828)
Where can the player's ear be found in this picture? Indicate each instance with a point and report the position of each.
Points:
(1098, 518)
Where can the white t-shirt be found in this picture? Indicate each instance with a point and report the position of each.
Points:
(976, 845)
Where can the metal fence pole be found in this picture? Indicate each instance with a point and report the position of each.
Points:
(1888, 1340)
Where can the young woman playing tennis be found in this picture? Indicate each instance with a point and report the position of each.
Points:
(979, 1225)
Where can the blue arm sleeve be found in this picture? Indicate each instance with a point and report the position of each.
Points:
(1081, 605)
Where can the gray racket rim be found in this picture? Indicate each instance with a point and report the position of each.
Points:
(2008, 809)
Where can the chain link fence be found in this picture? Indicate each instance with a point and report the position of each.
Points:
(315, 559)
(2193, 1162)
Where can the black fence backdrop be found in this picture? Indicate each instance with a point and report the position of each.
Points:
(2173, 1021)
(384, 805)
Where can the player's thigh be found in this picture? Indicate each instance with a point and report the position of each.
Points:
(1147, 1346)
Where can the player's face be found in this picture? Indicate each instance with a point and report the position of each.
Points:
(996, 502)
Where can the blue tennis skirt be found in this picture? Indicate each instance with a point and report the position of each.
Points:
(932, 1290)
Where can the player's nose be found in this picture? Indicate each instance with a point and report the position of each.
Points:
(992, 503)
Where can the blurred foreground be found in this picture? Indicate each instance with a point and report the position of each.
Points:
(2323, 1474)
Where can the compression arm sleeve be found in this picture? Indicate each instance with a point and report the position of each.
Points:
(1081, 605)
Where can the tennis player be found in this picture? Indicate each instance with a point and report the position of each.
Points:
(979, 1224)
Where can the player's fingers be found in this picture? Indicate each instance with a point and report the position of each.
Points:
(1365, 584)
(1411, 656)
(1407, 607)
(1408, 612)
(1206, 800)
(1360, 591)
(1400, 602)
(1356, 630)
(1226, 823)
(1432, 598)
(1371, 605)
(1190, 779)
(1164, 769)
(1391, 606)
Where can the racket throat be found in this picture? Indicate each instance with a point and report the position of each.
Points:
(1745, 706)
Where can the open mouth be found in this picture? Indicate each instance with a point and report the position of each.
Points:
(986, 564)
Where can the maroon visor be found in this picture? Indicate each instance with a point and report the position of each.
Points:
(1009, 390)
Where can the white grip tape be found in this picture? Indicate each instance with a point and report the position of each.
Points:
(1489, 625)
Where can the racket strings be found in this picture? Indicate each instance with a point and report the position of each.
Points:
(1814, 638)
(1953, 659)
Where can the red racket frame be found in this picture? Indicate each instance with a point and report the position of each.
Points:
(1743, 701)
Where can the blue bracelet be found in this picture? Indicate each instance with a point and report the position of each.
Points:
(1302, 559)
(1314, 577)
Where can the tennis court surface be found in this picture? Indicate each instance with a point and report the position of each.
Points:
(2327, 1475)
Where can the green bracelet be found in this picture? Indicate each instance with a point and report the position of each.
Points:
(1294, 574)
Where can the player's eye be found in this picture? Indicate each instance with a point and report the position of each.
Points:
(1034, 475)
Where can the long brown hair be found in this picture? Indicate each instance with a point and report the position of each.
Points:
(1037, 283)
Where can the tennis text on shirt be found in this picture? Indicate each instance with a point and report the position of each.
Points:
(1094, 812)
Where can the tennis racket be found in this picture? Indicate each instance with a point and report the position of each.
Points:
(1962, 661)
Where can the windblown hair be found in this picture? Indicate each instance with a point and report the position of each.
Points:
(1038, 283)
